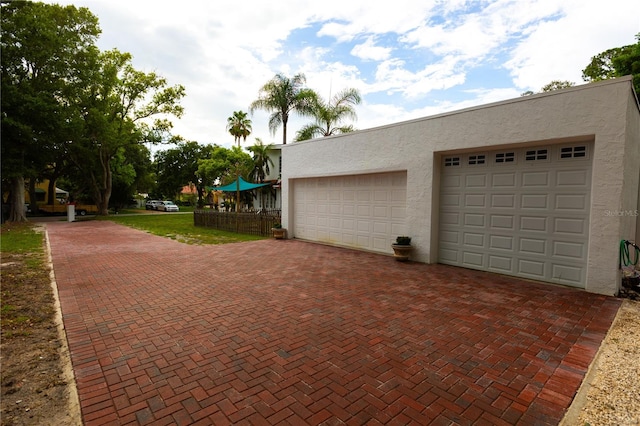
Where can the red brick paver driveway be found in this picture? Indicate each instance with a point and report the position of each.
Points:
(288, 332)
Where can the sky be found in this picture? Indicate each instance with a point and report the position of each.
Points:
(408, 58)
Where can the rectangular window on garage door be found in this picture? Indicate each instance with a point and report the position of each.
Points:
(574, 152)
(505, 157)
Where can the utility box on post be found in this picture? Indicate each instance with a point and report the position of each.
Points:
(71, 213)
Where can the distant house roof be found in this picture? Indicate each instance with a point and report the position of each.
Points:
(189, 189)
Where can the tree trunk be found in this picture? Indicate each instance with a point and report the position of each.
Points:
(33, 195)
(51, 192)
(106, 187)
(16, 202)
(284, 129)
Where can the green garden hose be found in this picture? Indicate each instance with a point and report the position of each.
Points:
(625, 254)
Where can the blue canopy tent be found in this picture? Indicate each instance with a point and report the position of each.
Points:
(238, 185)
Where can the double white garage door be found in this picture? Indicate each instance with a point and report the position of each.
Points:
(362, 211)
(522, 212)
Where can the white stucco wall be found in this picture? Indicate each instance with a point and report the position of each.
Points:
(605, 112)
(274, 169)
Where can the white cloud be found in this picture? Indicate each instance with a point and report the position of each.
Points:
(560, 49)
(369, 51)
(224, 51)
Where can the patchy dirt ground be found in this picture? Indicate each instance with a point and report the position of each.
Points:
(611, 390)
(35, 384)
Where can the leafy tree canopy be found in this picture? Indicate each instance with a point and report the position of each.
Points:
(281, 96)
(69, 109)
(262, 163)
(239, 126)
(616, 62)
(119, 108)
(551, 86)
(45, 49)
(178, 167)
(329, 115)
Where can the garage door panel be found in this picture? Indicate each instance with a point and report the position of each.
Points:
(502, 222)
(474, 219)
(450, 218)
(449, 256)
(450, 200)
(575, 202)
(381, 228)
(572, 178)
(348, 209)
(380, 243)
(473, 259)
(381, 196)
(476, 181)
(453, 181)
(363, 195)
(503, 180)
(568, 249)
(348, 238)
(475, 200)
(473, 239)
(531, 268)
(452, 237)
(536, 180)
(501, 264)
(565, 225)
(502, 201)
(534, 223)
(364, 241)
(399, 196)
(535, 201)
(523, 212)
(566, 274)
(534, 246)
(501, 242)
(381, 212)
(364, 210)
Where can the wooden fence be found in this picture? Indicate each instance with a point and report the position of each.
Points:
(244, 223)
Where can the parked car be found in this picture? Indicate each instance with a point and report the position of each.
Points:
(151, 204)
(167, 206)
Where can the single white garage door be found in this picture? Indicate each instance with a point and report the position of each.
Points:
(522, 212)
(362, 211)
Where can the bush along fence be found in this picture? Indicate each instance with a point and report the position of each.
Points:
(244, 223)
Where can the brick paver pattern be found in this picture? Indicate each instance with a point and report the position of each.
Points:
(291, 332)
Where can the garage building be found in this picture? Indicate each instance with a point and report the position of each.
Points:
(541, 187)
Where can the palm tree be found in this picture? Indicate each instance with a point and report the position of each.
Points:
(261, 160)
(239, 126)
(329, 115)
(281, 96)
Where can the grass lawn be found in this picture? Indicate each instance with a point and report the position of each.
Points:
(20, 238)
(180, 227)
